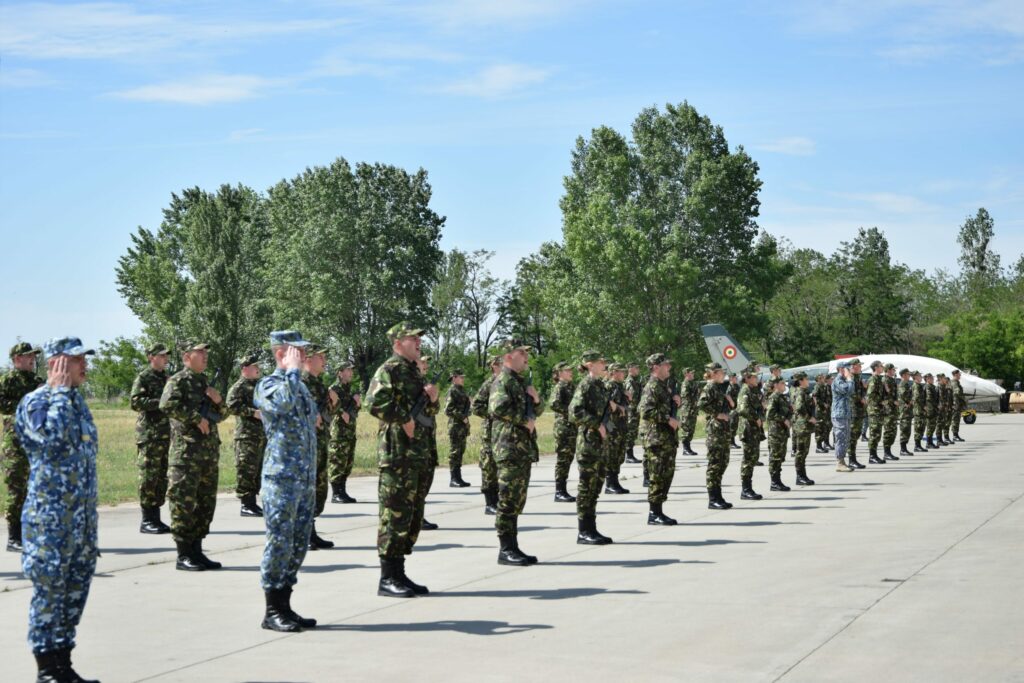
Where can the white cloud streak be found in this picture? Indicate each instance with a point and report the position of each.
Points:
(203, 90)
(500, 80)
(792, 146)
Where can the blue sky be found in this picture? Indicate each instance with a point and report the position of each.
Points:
(902, 114)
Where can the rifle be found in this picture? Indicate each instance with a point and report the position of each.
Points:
(674, 411)
(531, 410)
(417, 413)
(206, 408)
(606, 419)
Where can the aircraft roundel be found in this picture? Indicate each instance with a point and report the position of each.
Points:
(729, 352)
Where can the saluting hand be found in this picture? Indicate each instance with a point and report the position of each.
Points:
(292, 359)
(59, 376)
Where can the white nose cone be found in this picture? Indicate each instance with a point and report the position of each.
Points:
(976, 387)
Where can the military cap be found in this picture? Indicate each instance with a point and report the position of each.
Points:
(889, 366)
(657, 359)
(456, 372)
(852, 361)
(904, 371)
(403, 329)
(157, 350)
(632, 365)
(713, 367)
(249, 359)
(686, 370)
(617, 367)
(591, 356)
(927, 375)
(799, 376)
(876, 364)
(426, 359)
(494, 359)
(916, 373)
(562, 365)
(941, 375)
(774, 366)
(193, 345)
(344, 365)
(315, 349)
(68, 346)
(818, 378)
(289, 337)
(508, 346)
(24, 349)
(956, 371)
(842, 364)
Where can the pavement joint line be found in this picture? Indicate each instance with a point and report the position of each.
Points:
(900, 584)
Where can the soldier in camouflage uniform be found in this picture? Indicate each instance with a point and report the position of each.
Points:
(153, 438)
(877, 407)
(634, 387)
(588, 410)
(716, 405)
(565, 430)
(405, 405)
(488, 468)
(312, 376)
(842, 393)
(513, 444)
(890, 425)
(194, 408)
(57, 432)
(822, 407)
(428, 441)
(959, 404)
(804, 422)
(751, 418)
(920, 399)
(14, 386)
(945, 411)
(457, 407)
(288, 417)
(689, 392)
(931, 410)
(778, 414)
(618, 421)
(341, 443)
(905, 408)
(733, 391)
(858, 408)
(249, 438)
(659, 431)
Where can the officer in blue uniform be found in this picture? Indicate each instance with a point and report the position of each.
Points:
(58, 520)
(289, 477)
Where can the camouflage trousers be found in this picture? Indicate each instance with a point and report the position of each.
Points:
(734, 424)
(565, 447)
(906, 427)
(856, 427)
(615, 455)
(942, 427)
(660, 462)
(633, 430)
(488, 468)
(288, 515)
(60, 566)
(15, 467)
(458, 433)
(920, 427)
(321, 472)
(931, 422)
(513, 484)
(750, 439)
(688, 424)
(875, 424)
(717, 443)
(192, 489)
(402, 493)
(842, 430)
(777, 439)
(890, 427)
(822, 429)
(248, 466)
(801, 446)
(592, 456)
(152, 462)
(341, 453)
(955, 423)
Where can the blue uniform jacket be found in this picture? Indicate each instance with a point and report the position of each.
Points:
(289, 421)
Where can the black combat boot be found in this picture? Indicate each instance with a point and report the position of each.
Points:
(427, 525)
(509, 553)
(187, 560)
(946, 441)
(647, 479)
(632, 459)
(889, 455)
(562, 493)
(874, 459)
(747, 491)
(593, 528)
(903, 448)
(51, 669)
(151, 523)
(758, 464)
(658, 518)
(854, 463)
(588, 533)
(733, 444)
(491, 501)
(413, 586)
(277, 616)
(302, 621)
(777, 484)
(715, 500)
(457, 482)
(801, 476)
(316, 542)
(687, 450)
(200, 556)
(612, 485)
(391, 584)
(69, 671)
(249, 507)
(530, 559)
(918, 448)
(956, 437)
(929, 443)
(818, 447)
(14, 537)
(339, 494)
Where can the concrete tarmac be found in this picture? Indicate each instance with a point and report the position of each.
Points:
(909, 571)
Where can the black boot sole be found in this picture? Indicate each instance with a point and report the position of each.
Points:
(292, 627)
(156, 531)
(747, 496)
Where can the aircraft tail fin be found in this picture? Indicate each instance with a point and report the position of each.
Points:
(724, 349)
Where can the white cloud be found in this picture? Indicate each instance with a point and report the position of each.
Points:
(793, 146)
(457, 14)
(890, 202)
(500, 80)
(24, 78)
(212, 89)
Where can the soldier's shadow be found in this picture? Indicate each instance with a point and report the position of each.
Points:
(469, 627)
(707, 541)
(537, 593)
(625, 564)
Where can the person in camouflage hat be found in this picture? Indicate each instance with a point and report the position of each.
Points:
(877, 407)
(804, 421)
(931, 410)
(751, 432)
(959, 404)
(945, 416)
(858, 410)
(733, 391)
(716, 405)
(341, 444)
(659, 431)
(634, 388)
(288, 414)
(312, 376)
(429, 442)
(59, 437)
(890, 424)
(689, 392)
(588, 410)
(842, 396)
(194, 408)
(778, 415)
(488, 468)
(822, 396)
(15, 385)
(405, 405)
(152, 437)
(249, 438)
(457, 408)
(905, 408)
(513, 443)
(565, 430)
(920, 398)
(618, 421)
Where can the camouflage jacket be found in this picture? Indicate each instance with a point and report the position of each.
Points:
(152, 423)
(905, 398)
(510, 439)
(822, 399)
(482, 398)
(876, 395)
(892, 390)
(457, 407)
(617, 395)
(318, 390)
(931, 404)
(945, 399)
(182, 400)
(239, 403)
(655, 410)
(750, 410)
(803, 411)
(587, 408)
(561, 395)
(689, 392)
(289, 422)
(779, 410)
(733, 392)
(635, 388)
(858, 402)
(395, 389)
(346, 404)
(959, 399)
(14, 386)
(713, 400)
(920, 399)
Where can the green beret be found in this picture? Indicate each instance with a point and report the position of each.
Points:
(403, 329)
(24, 349)
(657, 359)
(157, 350)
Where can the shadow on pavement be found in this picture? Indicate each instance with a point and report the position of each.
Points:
(626, 564)
(469, 627)
(707, 541)
(538, 593)
(739, 523)
(139, 551)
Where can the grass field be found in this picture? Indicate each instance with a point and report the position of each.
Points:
(118, 475)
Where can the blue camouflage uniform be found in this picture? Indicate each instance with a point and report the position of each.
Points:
(842, 396)
(59, 519)
(289, 474)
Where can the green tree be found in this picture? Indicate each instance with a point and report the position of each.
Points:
(448, 328)
(979, 264)
(113, 369)
(802, 312)
(480, 298)
(989, 343)
(522, 309)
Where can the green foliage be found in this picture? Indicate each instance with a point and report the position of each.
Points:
(113, 369)
(990, 343)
